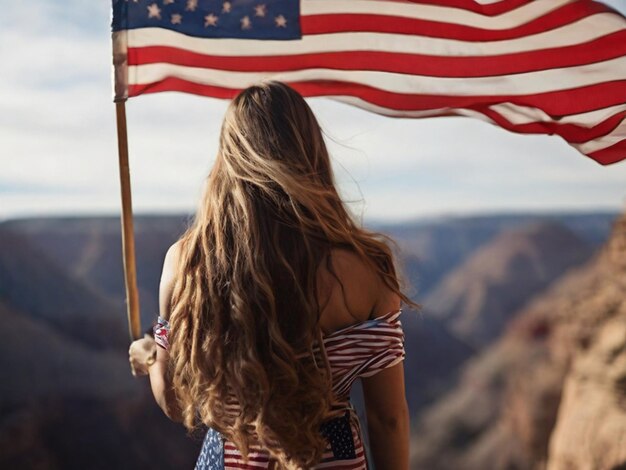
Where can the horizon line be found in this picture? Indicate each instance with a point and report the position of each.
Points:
(432, 217)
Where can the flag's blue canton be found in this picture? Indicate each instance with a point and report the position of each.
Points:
(245, 19)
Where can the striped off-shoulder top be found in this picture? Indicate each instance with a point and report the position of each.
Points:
(359, 350)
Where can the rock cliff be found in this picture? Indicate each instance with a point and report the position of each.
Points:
(590, 431)
(478, 298)
(551, 392)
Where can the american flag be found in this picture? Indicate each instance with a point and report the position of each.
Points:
(529, 66)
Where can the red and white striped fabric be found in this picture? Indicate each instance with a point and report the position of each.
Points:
(549, 66)
(359, 350)
(363, 349)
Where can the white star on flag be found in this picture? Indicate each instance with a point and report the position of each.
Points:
(191, 5)
(226, 7)
(177, 18)
(154, 11)
(210, 20)
(245, 22)
(259, 10)
(281, 21)
(167, 2)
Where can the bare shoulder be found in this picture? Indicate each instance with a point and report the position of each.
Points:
(364, 288)
(170, 262)
(352, 268)
(168, 278)
(173, 252)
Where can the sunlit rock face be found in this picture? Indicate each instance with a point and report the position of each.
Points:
(590, 432)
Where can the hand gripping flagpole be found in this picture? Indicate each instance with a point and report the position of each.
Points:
(120, 71)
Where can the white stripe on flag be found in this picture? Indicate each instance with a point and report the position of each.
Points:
(618, 134)
(518, 114)
(584, 30)
(355, 101)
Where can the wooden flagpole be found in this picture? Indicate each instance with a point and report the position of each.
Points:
(128, 238)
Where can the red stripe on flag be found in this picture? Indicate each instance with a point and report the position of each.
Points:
(177, 84)
(555, 103)
(605, 48)
(611, 154)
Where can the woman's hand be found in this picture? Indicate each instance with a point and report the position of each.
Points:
(142, 354)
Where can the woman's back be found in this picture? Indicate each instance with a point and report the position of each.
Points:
(362, 336)
(357, 295)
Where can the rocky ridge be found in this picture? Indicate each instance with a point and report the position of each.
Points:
(550, 394)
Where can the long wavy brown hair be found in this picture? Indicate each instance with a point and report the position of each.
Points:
(245, 308)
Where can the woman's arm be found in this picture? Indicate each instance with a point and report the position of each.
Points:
(149, 358)
(161, 385)
(387, 418)
(160, 380)
(385, 398)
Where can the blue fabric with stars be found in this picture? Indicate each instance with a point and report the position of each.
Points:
(235, 19)
(212, 453)
(339, 433)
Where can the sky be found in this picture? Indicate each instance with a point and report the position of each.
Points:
(59, 151)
